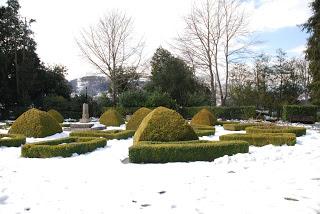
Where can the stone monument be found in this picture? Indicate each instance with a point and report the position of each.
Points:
(85, 110)
(85, 113)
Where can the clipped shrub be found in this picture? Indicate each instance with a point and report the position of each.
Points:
(164, 124)
(302, 114)
(35, 123)
(225, 113)
(56, 115)
(299, 131)
(184, 151)
(202, 130)
(64, 147)
(111, 118)
(240, 126)
(221, 122)
(204, 117)
(111, 134)
(263, 139)
(241, 112)
(137, 118)
(12, 140)
(189, 112)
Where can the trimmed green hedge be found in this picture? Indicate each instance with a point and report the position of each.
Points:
(263, 139)
(35, 123)
(221, 122)
(202, 130)
(112, 134)
(226, 113)
(56, 115)
(303, 114)
(111, 118)
(299, 131)
(204, 117)
(241, 112)
(239, 126)
(184, 151)
(12, 140)
(64, 147)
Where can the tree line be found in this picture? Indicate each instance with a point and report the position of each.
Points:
(211, 62)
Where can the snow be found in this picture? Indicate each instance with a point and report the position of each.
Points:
(267, 180)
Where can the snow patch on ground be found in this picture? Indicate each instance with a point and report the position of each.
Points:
(267, 180)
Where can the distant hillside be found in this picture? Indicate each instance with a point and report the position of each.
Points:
(94, 84)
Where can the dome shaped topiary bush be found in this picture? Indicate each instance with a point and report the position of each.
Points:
(111, 118)
(165, 125)
(35, 123)
(137, 118)
(56, 115)
(204, 117)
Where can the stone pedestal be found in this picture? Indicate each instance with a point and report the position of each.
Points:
(85, 114)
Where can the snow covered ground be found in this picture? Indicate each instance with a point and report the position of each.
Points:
(266, 180)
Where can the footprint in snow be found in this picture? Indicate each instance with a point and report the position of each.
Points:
(3, 199)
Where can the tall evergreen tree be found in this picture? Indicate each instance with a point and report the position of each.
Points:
(313, 50)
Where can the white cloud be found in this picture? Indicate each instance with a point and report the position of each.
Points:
(299, 50)
(270, 15)
(59, 22)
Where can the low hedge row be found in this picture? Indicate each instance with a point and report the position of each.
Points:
(64, 147)
(12, 140)
(111, 134)
(226, 113)
(221, 122)
(239, 126)
(299, 131)
(164, 152)
(202, 130)
(263, 139)
(303, 114)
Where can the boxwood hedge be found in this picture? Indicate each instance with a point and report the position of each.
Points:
(263, 138)
(12, 140)
(299, 131)
(111, 134)
(202, 130)
(303, 114)
(184, 151)
(239, 126)
(64, 147)
(221, 122)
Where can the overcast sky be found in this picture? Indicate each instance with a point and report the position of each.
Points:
(58, 23)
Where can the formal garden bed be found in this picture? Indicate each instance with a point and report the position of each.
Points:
(64, 147)
(12, 140)
(262, 139)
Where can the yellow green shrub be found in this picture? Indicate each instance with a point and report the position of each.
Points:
(137, 118)
(263, 139)
(64, 147)
(203, 117)
(35, 123)
(164, 124)
(184, 151)
(202, 130)
(12, 140)
(111, 134)
(56, 115)
(111, 118)
(299, 131)
(240, 126)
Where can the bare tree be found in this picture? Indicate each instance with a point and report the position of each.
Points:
(216, 35)
(109, 46)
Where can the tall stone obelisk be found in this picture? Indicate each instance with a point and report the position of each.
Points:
(85, 111)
